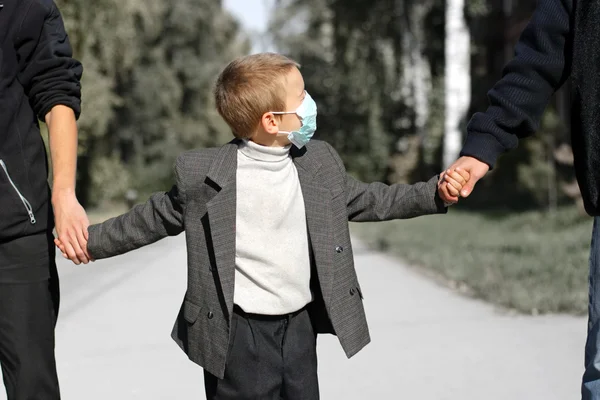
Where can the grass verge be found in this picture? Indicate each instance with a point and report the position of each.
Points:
(533, 262)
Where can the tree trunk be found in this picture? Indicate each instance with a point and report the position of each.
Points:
(422, 83)
(457, 78)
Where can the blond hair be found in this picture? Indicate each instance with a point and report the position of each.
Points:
(249, 87)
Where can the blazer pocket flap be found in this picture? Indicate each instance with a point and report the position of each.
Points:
(191, 311)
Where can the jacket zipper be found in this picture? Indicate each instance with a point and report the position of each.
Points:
(23, 199)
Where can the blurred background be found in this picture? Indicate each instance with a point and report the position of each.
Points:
(395, 82)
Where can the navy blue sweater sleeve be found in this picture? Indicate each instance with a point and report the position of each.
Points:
(541, 64)
(47, 70)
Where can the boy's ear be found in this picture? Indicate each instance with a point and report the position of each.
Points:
(270, 123)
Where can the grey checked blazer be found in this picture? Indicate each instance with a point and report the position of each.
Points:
(203, 203)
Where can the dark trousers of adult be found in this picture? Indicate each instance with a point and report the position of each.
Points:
(29, 301)
(270, 358)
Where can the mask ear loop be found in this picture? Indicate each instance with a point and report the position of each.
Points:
(292, 112)
(287, 112)
(282, 112)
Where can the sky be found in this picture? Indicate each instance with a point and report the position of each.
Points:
(254, 17)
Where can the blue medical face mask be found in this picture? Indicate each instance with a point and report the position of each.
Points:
(307, 112)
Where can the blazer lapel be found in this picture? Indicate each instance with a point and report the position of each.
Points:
(221, 211)
(317, 206)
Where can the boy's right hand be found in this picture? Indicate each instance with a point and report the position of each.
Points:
(451, 183)
(61, 246)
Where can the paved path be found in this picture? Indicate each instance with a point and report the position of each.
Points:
(428, 342)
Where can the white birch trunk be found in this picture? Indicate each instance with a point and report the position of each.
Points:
(457, 78)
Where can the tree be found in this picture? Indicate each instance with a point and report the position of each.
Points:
(457, 78)
(365, 65)
(168, 103)
(149, 67)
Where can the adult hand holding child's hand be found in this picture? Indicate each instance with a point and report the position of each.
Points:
(451, 183)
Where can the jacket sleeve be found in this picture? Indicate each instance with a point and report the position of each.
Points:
(542, 63)
(144, 224)
(377, 201)
(47, 70)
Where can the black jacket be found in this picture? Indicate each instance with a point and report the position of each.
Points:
(561, 40)
(37, 73)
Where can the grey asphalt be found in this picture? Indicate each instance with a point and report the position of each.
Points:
(428, 342)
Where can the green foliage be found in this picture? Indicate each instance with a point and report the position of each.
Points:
(435, 126)
(477, 8)
(537, 176)
(147, 88)
(110, 179)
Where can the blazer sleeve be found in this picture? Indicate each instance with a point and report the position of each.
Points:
(369, 202)
(159, 217)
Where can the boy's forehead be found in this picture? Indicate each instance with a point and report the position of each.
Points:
(295, 82)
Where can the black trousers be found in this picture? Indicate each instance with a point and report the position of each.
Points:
(28, 312)
(270, 358)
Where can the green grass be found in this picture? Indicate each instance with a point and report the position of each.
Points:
(532, 262)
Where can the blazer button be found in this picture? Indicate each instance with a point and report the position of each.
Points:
(210, 315)
(339, 249)
(352, 291)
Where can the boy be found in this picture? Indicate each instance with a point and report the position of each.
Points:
(269, 254)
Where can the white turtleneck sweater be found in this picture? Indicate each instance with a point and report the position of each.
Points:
(272, 264)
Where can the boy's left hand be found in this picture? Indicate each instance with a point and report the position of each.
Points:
(61, 246)
(452, 182)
